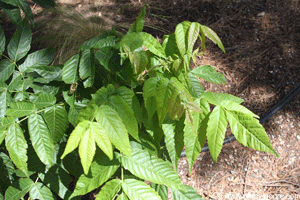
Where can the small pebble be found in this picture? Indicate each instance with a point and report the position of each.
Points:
(298, 137)
(255, 170)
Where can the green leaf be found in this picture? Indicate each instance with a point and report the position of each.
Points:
(186, 193)
(151, 168)
(20, 109)
(194, 135)
(5, 99)
(101, 170)
(161, 190)
(20, 84)
(152, 44)
(249, 132)
(176, 108)
(170, 46)
(229, 105)
(87, 68)
(109, 190)
(13, 14)
(139, 22)
(56, 118)
(2, 41)
(149, 92)
(18, 189)
(7, 172)
(52, 73)
(173, 131)
(192, 36)
(122, 196)
(41, 138)
(138, 190)
(19, 44)
(180, 32)
(107, 39)
(212, 36)
(6, 69)
(209, 74)
(39, 58)
(69, 71)
(44, 100)
(195, 86)
(41, 192)
(218, 98)
(125, 113)
(21, 96)
(216, 128)
(16, 146)
(57, 180)
(112, 123)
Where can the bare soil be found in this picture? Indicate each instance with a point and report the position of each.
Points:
(261, 64)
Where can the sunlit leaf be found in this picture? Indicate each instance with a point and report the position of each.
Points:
(18, 189)
(109, 190)
(209, 74)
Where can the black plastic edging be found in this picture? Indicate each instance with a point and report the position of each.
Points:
(266, 116)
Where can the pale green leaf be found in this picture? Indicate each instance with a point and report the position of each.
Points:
(151, 168)
(41, 138)
(56, 118)
(18, 189)
(6, 69)
(109, 119)
(2, 41)
(210, 34)
(229, 105)
(57, 180)
(70, 70)
(19, 44)
(192, 36)
(186, 193)
(101, 170)
(39, 58)
(249, 132)
(125, 113)
(122, 196)
(137, 26)
(44, 100)
(152, 44)
(41, 192)
(138, 190)
(5, 99)
(218, 98)
(176, 108)
(216, 128)
(16, 146)
(109, 190)
(180, 32)
(21, 96)
(209, 74)
(75, 137)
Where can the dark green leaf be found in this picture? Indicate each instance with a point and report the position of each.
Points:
(161, 190)
(19, 44)
(45, 3)
(23, 4)
(56, 118)
(2, 41)
(20, 84)
(87, 68)
(20, 109)
(109, 190)
(7, 172)
(41, 138)
(13, 14)
(6, 69)
(44, 100)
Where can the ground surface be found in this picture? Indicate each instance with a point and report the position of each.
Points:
(261, 64)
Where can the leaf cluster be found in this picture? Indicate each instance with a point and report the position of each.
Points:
(114, 115)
